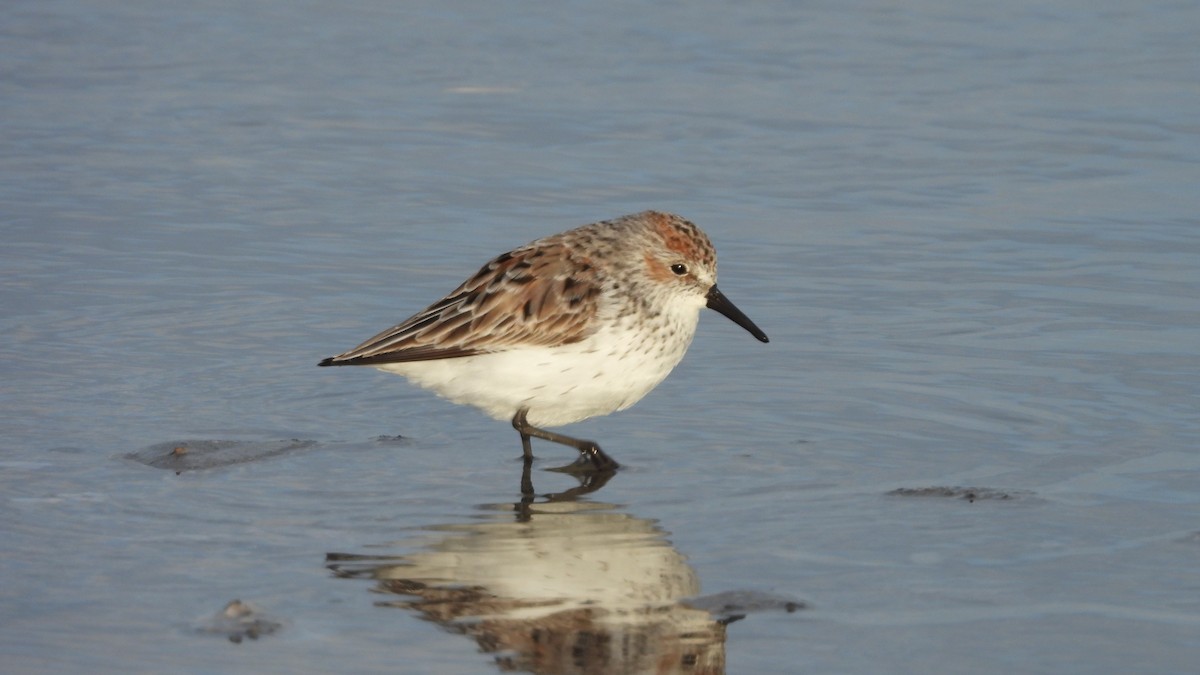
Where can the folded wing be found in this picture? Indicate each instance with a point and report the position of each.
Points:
(537, 295)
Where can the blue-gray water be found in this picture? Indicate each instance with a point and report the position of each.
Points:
(972, 231)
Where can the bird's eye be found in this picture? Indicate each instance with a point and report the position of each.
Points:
(679, 269)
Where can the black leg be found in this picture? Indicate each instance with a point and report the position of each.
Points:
(519, 424)
(589, 451)
(526, 480)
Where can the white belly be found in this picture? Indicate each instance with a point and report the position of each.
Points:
(559, 385)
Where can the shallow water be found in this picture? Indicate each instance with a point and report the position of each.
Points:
(970, 231)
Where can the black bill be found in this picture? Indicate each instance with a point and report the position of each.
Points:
(718, 301)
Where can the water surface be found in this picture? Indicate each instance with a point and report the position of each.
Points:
(969, 229)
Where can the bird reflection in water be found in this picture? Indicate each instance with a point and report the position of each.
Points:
(556, 585)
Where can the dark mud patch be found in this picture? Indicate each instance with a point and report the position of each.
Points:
(197, 455)
(239, 621)
(970, 494)
(730, 606)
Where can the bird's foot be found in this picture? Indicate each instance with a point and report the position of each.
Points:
(591, 460)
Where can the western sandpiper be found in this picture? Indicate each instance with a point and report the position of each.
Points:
(575, 325)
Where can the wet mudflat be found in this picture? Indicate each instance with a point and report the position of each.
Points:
(970, 232)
